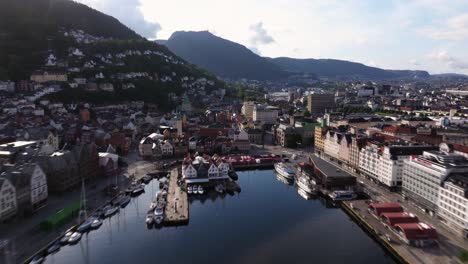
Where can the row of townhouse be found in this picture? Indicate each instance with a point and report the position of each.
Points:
(23, 189)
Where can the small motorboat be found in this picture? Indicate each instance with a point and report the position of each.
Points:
(74, 238)
(149, 218)
(37, 259)
(158, 219)
(146, 179)
(195, 189)
(66, 237)
(125, 201)
(54, 248)
(85, 226)
(110, 211)
(189, 189)
(138, 190)
(153, 205)
(200, 189)
(159, 211)
(96, 223)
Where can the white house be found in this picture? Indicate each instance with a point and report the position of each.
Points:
(167, 149)
(188, 171)
(39, 190)
(223, 169)
(8, 204)
(213, 171)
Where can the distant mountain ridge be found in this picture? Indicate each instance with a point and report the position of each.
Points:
(232, 60)
(222, 57)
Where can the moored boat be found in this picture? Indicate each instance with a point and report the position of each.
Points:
(54, 248)
(284, 170)
(125, 201)
(74, 238)
(195, 189)
(85, 226)
(96, 223)
(110, 210)
(189, 189)
(306, 184)
(149, 217)
(139, 189)
(303, 194)
(200, 189)
(37, 259)
(342, 195)
(66, 237)
(158, 219)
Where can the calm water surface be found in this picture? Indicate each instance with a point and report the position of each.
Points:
(268, 222)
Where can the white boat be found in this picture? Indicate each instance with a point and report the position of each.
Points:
(66, 237)
(284, 170)
(284, 179)
(96, 223)
(303, 194)
(152, 205)
(200, 189)
(158, 219)
(85, 226)
(189, 189)
(110, 211)
(149, 218)
(74, 238)
(342, 195)
(305, 184)
(194, 189)
(159, 211)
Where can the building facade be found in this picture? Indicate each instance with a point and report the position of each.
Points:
(319, 103)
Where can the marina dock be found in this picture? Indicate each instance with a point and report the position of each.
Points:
(176, 211)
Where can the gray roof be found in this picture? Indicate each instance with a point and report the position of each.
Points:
(328, 169)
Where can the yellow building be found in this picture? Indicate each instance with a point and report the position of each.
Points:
(49, 76)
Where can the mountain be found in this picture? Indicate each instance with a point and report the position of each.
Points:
(339, 69)
(222, 57)
(63, 35)
(229, 59)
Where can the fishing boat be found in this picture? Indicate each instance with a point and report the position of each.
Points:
(96, 223)
(189, 189)
(200, 189)
(305, 184)
(66, 237)
(284, 170)
(342, 195)
(54, 248)
(149, 217)
(74, 238)
(110, 210)
(125, 201)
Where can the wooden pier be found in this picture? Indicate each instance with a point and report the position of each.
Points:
(177, 211)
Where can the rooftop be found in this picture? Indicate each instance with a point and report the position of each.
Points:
(327, 168)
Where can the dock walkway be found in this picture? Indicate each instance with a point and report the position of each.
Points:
(176, 197)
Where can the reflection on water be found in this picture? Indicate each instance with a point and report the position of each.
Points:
(268, 222)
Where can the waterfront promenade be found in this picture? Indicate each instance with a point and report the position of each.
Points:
(177, 209)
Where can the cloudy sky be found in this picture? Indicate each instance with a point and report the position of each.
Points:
(394, 34)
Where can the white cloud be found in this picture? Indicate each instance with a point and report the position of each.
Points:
(129, 13)
(261, 36)
(455, 28)
(451, 61)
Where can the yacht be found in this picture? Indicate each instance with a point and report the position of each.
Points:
(306, 184)
(200, 189)
(110, 210)
(74, 238)
(342, 195)
(66, 237)
(303, 194)
(96, 223)
(284, 170)
(85, 226)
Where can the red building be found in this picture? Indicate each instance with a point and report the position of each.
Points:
(417, 234)
(392, 219)
(379, 208)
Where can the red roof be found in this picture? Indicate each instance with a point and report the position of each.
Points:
(399, 218)
(413, 231)
(380, 208)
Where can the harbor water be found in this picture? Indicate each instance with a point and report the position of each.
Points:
(268, 222)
